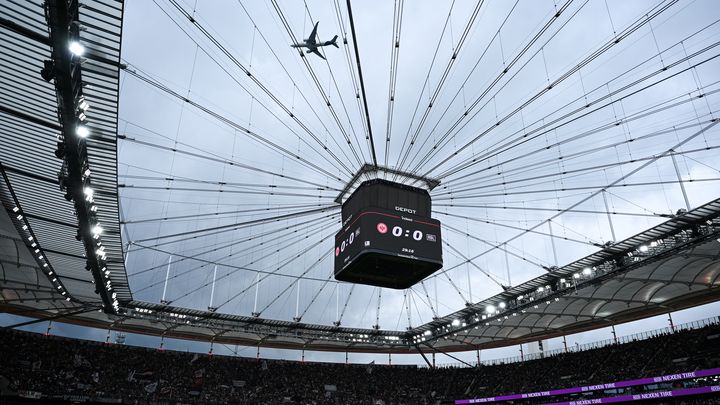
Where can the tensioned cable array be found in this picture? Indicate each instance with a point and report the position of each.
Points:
(521, 194)
(433, 98)
(255, 80)
(318, 85)
(525, 137)
(362, 81)
(394, 58)
(656, 11)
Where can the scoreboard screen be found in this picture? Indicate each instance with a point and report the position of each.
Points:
(387, 248)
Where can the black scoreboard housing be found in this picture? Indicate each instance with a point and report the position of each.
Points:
(386, 194)
(388, 238)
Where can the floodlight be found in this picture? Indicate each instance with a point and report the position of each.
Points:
(76, 48)
(82, 131)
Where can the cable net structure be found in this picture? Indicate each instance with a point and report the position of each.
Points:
(552, 136)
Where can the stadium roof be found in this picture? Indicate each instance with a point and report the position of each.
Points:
(671, 266)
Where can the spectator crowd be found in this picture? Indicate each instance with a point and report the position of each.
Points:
(82, 371)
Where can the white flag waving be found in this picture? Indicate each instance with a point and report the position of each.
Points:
(151, 387)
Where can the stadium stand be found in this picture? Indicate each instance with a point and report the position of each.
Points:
(49, 369)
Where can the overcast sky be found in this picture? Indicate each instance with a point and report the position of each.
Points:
(484, 137)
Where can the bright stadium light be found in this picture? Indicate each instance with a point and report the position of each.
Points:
(456, 322)
(643, 248)
(490, 309)
(576, 275)
(502, 305)
(76, 48)
(587, 271)
(82, 131)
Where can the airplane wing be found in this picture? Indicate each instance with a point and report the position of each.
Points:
(313, 35)
(315, 51)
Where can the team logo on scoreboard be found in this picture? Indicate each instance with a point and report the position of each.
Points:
(382, 228)
(431, 238)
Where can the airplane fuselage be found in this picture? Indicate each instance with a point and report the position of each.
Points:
(310, 45)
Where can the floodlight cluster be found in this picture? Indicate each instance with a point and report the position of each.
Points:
(23, 226)
(74, 177)
(498, 311)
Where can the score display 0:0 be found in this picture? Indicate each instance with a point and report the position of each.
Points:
(398, 231)
(347, 242)
(382, 228)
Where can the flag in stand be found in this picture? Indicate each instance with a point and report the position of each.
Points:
(199, 379)
(150, 388)
(194, 358)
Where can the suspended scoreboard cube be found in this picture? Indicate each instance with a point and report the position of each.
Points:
(388, 238)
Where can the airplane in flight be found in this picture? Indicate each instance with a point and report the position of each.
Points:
(312, 45)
